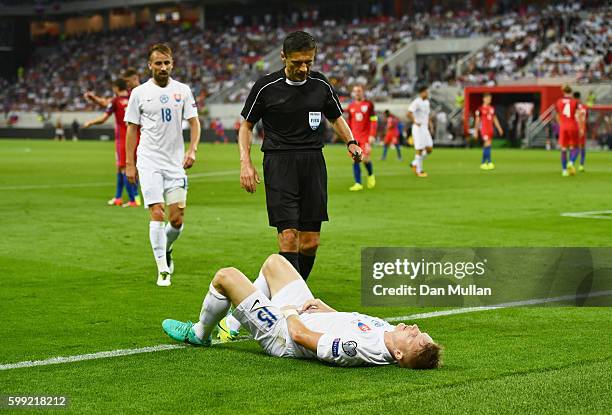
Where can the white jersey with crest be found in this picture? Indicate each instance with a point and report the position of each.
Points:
(420, 110)
(349, 339)
(160, 113)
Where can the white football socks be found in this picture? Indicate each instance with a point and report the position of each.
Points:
(172, 234)
(262, 285)
(214, 308)
(157, 236)
(419, 163)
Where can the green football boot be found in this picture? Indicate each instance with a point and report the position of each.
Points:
(183, 332)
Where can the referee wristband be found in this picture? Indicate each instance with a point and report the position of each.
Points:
(352, 142)
(290, 312)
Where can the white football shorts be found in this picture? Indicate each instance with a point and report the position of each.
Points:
(264, 320)
(421, 137)
(159, 186)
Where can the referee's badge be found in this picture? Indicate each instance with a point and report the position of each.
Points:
(314, 119)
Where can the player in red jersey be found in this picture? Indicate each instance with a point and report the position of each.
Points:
(362, 121)
(132, 80)
(582, 117)
(483, 125)
(117, 106)
(392, 135)
(566, 108)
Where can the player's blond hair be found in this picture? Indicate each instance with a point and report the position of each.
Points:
(567, 89)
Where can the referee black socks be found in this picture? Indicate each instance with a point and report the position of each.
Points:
(293, 258)
(306, 263)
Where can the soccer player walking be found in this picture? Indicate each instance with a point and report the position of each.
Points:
(117, 106)
(132, 80)
(291, 103)
(418, 113)
(392, 135)
(566, 109)
(363, 122)
(159, 106)
(485, 119)
(582, 118)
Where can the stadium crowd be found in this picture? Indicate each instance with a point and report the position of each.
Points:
(216, 60)
(59, 75)
(561, 41)
(585, 51)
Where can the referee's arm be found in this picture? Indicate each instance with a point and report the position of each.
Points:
(344, 132)
(248, 175)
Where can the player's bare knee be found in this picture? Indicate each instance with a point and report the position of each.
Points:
(157, 212)
(309, 245)
(288, 240)
(176, 220)
(273, 261)
(225, 277)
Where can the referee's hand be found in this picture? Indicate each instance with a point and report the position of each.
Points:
(355, 151)
(249, 179)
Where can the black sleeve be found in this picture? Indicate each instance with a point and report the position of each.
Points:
(332, 108)
(254, 106)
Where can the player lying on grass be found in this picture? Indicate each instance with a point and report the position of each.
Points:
(287, 321)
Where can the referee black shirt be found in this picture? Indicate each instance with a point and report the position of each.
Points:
(292, 112)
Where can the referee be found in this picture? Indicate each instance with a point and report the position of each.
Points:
(291, 103)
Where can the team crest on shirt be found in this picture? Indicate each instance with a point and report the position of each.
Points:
(164, 99)
(350, 348)
(363, 326)
(314, 119)
(177, 97)
(364, 108)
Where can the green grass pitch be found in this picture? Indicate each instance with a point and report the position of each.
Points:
(78, 277)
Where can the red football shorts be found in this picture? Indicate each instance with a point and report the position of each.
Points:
(391, 138)
(120, 151)
(568, 137)
(486, 135)
(366, 149)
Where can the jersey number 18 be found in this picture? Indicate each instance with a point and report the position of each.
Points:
(166, 114)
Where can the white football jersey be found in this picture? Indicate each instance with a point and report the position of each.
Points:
(420, 109)
(349, 339)
(160, 113)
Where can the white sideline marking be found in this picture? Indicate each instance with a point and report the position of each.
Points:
(499, 306)
(191, 177)
(104, 184)
(597, 214)
(162, 347)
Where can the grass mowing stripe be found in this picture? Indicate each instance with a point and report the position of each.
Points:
(162, 347)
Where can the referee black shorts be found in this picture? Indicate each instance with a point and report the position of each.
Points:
(296, 189)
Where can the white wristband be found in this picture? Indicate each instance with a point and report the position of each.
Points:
(290, 312)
